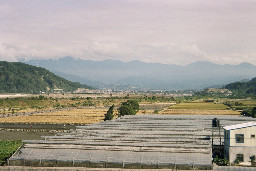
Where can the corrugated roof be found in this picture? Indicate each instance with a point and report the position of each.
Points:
(238, 126)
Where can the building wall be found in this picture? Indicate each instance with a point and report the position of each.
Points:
(248, 140)
(246, 151)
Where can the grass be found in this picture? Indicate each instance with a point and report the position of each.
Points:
(7, 148)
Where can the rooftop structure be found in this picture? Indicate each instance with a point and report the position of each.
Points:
(239, 126)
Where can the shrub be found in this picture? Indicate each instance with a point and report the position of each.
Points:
(220, 161)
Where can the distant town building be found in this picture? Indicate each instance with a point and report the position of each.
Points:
(218, 91)
(240, 142)
(58, 91)
(92, 91)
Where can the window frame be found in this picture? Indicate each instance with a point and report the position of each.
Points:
(239, 138)
(240, 156)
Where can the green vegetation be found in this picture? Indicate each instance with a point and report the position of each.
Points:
(246, 106)
(153, 99)
(16, 77)
(249, 112)
(7, 148)
(221, 161)
(130, 107)
(241, 104)
(155, 111)
(110, 113)
(243, 89)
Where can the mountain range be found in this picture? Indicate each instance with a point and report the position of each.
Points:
(137, 75)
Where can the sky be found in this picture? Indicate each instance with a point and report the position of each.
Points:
(155, 31)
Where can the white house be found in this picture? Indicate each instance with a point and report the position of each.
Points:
(240, 142)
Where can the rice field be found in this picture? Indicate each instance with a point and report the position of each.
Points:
(95, 115)
(198, 112)
(75, 116)
(199, 108)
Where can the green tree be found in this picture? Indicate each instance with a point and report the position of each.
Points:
(130, 107)
(133, 104)
(126, 110)
(110, 113)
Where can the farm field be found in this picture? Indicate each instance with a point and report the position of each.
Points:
(199, 108)
(153, 108)
(72, 116)
(62, 115)
(198, 112)
(241, 104)
(94, 115)
(22, 105)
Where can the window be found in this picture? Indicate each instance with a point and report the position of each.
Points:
(252, 158)
(240, 157)
(252, 135)
(239, 138)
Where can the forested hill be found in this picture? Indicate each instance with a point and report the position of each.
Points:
(243, 88)
(17, 77)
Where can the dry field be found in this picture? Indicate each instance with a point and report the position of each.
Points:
(75, 116)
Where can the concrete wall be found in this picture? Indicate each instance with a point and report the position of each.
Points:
(226, 143)
(246, 151)
(88, 164)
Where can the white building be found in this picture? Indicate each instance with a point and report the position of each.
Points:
(240, 142)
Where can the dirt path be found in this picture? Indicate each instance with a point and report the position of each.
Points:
(22, 135)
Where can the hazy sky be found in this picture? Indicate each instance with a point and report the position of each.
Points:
(164, 31)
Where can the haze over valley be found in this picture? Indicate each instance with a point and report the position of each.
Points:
(136, 75)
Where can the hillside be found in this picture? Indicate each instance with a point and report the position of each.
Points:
(243, 88)
(137, 75)
(17, 77)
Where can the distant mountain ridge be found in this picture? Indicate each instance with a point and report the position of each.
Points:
(139, 75)
(17, 77)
